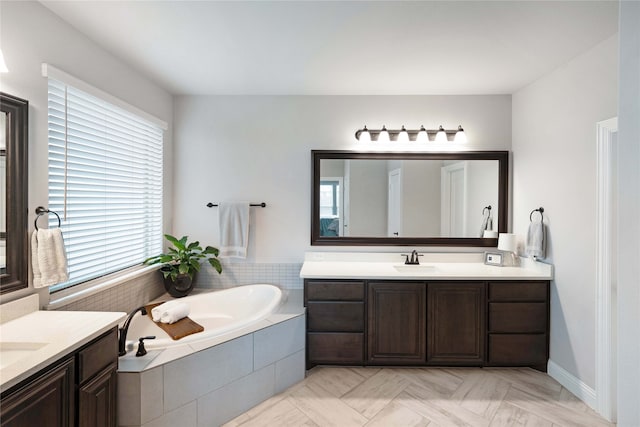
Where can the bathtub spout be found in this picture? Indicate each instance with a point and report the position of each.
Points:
(122, 339)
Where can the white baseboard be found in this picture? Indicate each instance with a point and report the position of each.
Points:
(573, 384)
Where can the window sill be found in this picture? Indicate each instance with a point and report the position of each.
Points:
(92, 287)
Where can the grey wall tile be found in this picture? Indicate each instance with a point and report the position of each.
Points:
(129, 395)
(151, 402)
(200, 373)
(279, 341)
(185, 416)
(290, 371)
(226, 403)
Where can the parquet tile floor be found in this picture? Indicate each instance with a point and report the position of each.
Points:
(434, 397)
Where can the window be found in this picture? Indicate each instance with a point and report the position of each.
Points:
(105, 182)
(329, 198)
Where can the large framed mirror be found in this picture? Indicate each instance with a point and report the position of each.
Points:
(14, 122)
(409, 198)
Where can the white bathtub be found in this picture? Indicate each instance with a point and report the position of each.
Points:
(218, 312)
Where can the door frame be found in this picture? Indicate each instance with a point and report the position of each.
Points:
(606, 325)
(446, 173)
(394, 172)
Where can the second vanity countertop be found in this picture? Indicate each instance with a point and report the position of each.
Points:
(433, 266)
(46, 336)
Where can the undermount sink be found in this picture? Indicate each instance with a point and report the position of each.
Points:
(11, 352)
(410, 268)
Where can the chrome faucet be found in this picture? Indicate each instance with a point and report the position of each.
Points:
(122, 339)
(414, 258)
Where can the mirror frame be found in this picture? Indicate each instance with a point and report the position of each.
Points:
(17, 250)
(503, 190)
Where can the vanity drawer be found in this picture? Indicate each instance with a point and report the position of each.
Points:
(518, 317)
(98, 355)
(335, 316)
(324, 290)
(517, 349)
(518, 291)
(339, 348)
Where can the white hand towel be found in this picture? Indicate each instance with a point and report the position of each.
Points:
(536, 240)
(159, 310)
(48, 258)
(175, 313)
(487, 224)
(233, 221)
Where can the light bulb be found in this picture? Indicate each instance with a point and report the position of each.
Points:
(364, 136)
(441, 136)
(422, 135)
(460, 136)
(403, 136)
(383, 137)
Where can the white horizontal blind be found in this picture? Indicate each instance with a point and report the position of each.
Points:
(105, 182)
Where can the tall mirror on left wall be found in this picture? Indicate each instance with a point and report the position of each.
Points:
(14, 140)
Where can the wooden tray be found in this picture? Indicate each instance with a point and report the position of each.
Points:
(180, 329)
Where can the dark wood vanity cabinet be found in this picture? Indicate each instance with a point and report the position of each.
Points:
(437, 323)
(97, 373)
(79, 389)
(45, 400)
(518, 329)
(456, 323)
(396, 323)
(335, 322)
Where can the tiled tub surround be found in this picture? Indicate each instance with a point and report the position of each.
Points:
(138, 291)
(210, 382)
(125, 296)
(283, 275)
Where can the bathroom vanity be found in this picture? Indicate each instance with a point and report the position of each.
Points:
(59, 369)
(451, 311)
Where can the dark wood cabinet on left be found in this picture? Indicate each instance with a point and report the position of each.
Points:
(79, 389)
(47, 400)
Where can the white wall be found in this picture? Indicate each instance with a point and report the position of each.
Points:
(629, 217)
(554, 166)
(420, 198)
(482, 182)
(368, 180)
(257, 148)
(30, 35)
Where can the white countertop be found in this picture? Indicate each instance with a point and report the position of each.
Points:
(56, 333)
(432, 267)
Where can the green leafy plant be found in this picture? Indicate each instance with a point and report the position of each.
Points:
(185, 258)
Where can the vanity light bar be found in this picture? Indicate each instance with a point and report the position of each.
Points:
(404, 135)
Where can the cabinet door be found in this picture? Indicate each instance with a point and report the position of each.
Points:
(455, 323)
(97, 400)
(396, 323)
(46, 401)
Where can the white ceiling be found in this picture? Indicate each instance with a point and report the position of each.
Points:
(343, 47)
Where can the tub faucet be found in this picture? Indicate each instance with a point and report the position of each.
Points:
(122, 339)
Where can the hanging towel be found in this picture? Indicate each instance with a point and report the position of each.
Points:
(487, 223)
(536, 240)
(233, 220)
(48, 258)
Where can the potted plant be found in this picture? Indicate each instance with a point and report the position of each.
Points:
(182, 262)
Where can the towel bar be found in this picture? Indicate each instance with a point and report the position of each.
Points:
(43, 211)
(262, 205)
(541, 210)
